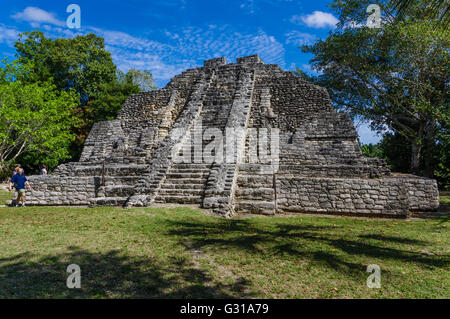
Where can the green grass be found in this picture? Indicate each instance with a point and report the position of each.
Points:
(444, 197)
(183, 253)
(5, 197)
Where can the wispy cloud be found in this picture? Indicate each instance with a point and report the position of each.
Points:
(36, 16)
(174, 50)
(161, 70)
(216, 41)
(253, 6)
(300, 38)
(8, 35)
(317, 19)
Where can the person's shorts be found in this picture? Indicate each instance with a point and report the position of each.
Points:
(21, 191)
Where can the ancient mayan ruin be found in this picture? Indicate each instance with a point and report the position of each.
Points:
(280, 147)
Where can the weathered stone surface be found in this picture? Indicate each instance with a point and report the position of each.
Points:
(135, 159)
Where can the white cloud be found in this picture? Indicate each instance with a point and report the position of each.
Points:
(317, 19)
(36, 16)
(300, 38)
(8, 35)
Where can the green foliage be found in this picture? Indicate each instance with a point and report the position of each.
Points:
(81, 63)
(106, 104)
(396, 76)
(141, 79)
(396, 150)
(433, 9)
(372, 150)
(442, 158)
(6, 171)
(84, 65)
(35, 118)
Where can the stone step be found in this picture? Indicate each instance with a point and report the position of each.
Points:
(116, 191)
(178, 199)
(182, 186)
(191, 165)
(195, 175)
(255, 180)
(259, 193)
(198, 181)
(254, 207)
(109, 201)
(189, 170)
(180, 191)
(134, 160)
(111, 170)
(121, 180)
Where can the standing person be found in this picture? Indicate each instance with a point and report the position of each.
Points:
(16, 169)
(20, 181)
(44, 170)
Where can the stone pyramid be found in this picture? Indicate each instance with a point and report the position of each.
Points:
(244, 137)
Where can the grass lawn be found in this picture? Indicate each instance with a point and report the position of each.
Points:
(444, 198)
(5, 197)
(181, 252)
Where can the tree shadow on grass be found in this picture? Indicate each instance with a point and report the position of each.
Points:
(316, 244)
(394, 239)
(110, 274)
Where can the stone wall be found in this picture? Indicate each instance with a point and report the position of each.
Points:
(102, 141)
(46, 190)
(389, 196)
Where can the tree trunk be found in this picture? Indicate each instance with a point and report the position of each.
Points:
(428, 156)
(415, 158)
(416, 150)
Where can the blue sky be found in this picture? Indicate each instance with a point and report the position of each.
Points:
(169, 36)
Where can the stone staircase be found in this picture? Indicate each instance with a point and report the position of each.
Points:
(185, 183)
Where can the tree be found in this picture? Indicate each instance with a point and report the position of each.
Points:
(396, 76)
(35, 118)
(142, 79)
(84, 65)
(81, 63)
(434, 8)
(106, 104)
(396, 151)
